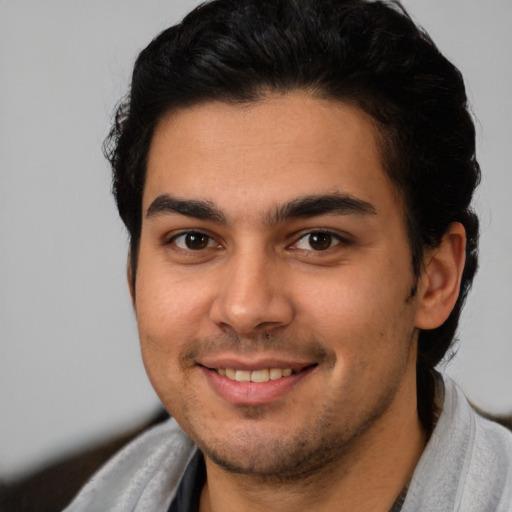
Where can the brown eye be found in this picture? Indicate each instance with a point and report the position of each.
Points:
(317, 241)
(193, 241)
(320, 241)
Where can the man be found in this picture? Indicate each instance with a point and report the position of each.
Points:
(296, 177)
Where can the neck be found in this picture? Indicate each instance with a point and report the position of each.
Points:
(369, 477)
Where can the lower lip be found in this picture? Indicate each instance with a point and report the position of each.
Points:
(253, 393)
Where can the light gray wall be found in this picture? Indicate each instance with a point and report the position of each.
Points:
(70, 369)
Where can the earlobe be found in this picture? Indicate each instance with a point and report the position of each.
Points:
(439, 282)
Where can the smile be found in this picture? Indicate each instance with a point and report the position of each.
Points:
(259, 376)
(255, 386)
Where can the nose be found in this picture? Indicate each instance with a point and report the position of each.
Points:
(252, 297)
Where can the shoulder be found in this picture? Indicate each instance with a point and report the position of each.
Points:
(467, 463)
(489, 475)
(488, 442)
(485, 480)
(144, 475)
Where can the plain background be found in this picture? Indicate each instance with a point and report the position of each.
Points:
(70, 369)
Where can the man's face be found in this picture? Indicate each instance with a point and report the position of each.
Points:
(272, 242)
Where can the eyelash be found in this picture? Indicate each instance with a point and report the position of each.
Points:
(333, 239)
(172, 240)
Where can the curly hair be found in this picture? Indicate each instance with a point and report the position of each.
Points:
(367, 53)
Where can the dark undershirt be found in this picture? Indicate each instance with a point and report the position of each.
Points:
(189, 491)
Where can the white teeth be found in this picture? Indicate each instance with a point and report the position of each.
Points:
(243, 376)
(260, 376)
(276, 373)
(255, 376)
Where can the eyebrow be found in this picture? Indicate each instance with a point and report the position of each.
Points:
(306, 206)
(315, 205)
(199, 209)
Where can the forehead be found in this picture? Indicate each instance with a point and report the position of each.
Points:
(263, 153)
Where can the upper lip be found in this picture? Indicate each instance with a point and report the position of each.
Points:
(254, 362)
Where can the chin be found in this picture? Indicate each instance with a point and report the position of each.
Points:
(276, 454)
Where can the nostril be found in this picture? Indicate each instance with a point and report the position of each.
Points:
(250, 302)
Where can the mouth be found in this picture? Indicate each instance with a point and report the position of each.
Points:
(242, 385)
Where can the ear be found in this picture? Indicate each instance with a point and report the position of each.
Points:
(439, 282)
(129, 277)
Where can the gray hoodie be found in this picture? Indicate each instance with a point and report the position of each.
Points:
(466, 467)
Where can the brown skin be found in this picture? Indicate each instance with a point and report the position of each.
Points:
(260, 291)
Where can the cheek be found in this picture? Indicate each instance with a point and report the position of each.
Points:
(166, 317)
(362, 316)
(168, 306)
(349, 301)
(163, 331)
